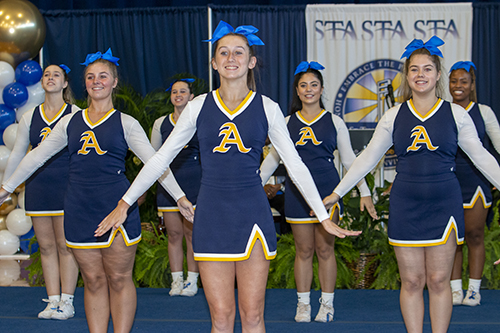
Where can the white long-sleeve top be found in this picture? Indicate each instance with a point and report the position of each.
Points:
(58, 139)
(491, 125)
(344, 147)
(382, 140)
(184, 130)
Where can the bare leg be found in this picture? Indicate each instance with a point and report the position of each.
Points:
(68, 267)
(475, 220)
(411, 263)
(118, 262)
(96, 289)
(327, 263)
(174, 224)
(218, 284)
(188, 234)
(251, 275)
(304, 246)
(46, 237)
(438, 266)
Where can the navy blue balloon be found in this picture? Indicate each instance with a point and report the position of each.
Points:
(25, 242)
(15, 95)
(28, 72)
(7, 117)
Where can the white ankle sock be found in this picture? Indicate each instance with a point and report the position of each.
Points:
(193, 277)
(456, 285)
(476, 283)
(67, 297)
(56, 298)
(176, 275)
(327, 298)
(304, 297)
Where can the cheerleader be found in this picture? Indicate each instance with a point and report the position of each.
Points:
(187, 170)
(426, 219)
(475, 187)
(233, 235)
(60, 271)
(97, 139)
(316, 134)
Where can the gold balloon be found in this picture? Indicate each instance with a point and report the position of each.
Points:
(3, 224)
(22, 30)
(8, 205)
(19, 189)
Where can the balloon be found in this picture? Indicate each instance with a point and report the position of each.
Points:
(25, 108)
(15, 94)
(28, 72)
(6, 74)
(19, 189)
(9, 243)
(10, 271)
(3, 225)
(4, 156)
(8, 205)
(23, 33)
(9, 135)
(36, 93)
(7, 116)
(25, 242)
(18, 223)
(20, 200)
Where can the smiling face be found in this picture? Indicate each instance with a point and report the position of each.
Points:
(100, 81)
(309, 89)
(422, 75)
(180, 94)
(53, 79)
(232, 57)
(461, 86)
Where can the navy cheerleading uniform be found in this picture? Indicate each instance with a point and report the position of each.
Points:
(316, 142)
(185, 167)
(473, 184)
(426, 202)
(33, 128)
(232, 209)
(96, 178)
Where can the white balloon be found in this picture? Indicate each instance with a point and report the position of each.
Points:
(9, 136)
(36, 93)
(6, 74)
(20, 200)
(9, 243)
(4, 156)
(18, 223)
(10, 271)
(25, 108)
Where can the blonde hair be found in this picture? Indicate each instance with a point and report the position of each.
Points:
(405, 90)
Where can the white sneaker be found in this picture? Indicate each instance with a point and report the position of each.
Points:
(176, 287)
(458, 296)
(472, 297)
(303, 314)
(190, 289)
(49, 310)
(64, 311)
(325, 313)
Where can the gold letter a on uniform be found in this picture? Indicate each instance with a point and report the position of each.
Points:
(231, 137)
(90, 141)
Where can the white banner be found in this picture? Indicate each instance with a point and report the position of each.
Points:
(361, 46)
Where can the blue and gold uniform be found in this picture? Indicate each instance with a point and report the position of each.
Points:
(473, 184)
(185, 167)
(315, 141)
(53, 175)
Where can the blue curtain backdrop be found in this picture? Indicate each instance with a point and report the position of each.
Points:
(152, 43)
(485, 53)
(283, 30)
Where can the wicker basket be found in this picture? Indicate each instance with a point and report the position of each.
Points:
(364, 270)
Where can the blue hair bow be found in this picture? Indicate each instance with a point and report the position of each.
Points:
(304, 66)
(462, 64)
(65, 68)
(91, 57)
(184, 80)
(246, 30)
(431, 45)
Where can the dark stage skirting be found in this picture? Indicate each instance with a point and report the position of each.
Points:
(356, 311)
